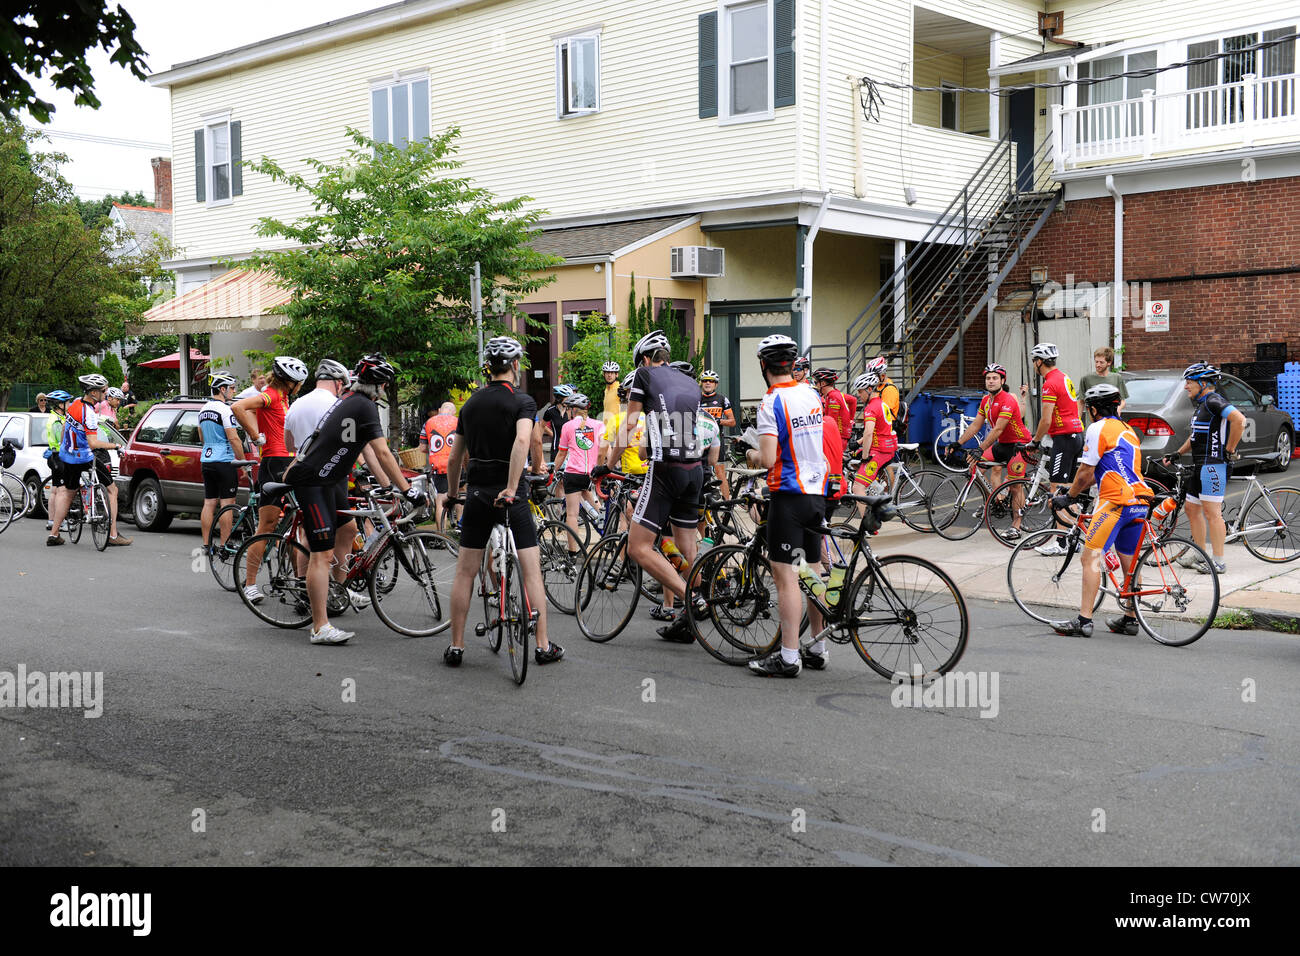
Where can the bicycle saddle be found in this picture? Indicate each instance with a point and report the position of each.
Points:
(273, 490)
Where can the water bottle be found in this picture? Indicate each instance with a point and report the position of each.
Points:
(1163, 509)
(673, 555)
(838, 570)
(590, 511)
(810, 579)
(1112, 560)
(705, 543)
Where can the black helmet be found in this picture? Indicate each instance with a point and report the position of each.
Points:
(374, 369)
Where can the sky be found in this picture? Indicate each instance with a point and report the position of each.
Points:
(170, 31)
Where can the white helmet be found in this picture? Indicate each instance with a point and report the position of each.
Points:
(778, 349)
(114, 393)
(867, 380)
(1044, 350)
(220, 380)
(93, 381)
(334, 371)
(501, 349)
(626, 384)
(877, 364)
(650, 342)
(611, 367)
(290, 368)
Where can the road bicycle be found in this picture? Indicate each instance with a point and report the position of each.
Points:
(957, 504)
(243, 525)
(1176, 611)
(24, 498)
(8, 510)
(912, 485)
(89, 507)
(948, 436)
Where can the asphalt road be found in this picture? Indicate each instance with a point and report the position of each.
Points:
(207, 709)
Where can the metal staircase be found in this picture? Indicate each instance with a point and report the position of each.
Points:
(948, 279)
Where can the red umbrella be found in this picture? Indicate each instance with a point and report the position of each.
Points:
(174, 360)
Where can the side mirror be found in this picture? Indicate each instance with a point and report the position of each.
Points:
(1266, 400)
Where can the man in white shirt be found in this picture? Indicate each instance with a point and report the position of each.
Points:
(305, 414)
(259, 383)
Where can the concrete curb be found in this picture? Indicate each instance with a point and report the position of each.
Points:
(1261, 620)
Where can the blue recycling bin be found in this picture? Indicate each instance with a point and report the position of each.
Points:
(920, 426)
(950, 406)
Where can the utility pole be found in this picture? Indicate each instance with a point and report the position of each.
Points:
(476, 299)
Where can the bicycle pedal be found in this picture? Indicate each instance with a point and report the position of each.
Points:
(480, 630)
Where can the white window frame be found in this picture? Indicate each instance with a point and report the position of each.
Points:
(944, 87)
(388, 83)
(563, 47)
(212, 121)
(725, 116)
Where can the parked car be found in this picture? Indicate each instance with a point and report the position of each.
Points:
(1161, 413)
(26, 432)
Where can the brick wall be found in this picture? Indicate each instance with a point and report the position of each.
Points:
(162, 182)
(1231, 227)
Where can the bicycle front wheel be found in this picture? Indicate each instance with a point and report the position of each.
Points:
(912, 497)
(1017, 498)
(957, 507)
(8, 510)
(22, 501)
(410, 583)
(99, 526)
(907, 619)
(221, 557)
(743, 623)
(518, 622)
(1047, 587)
(1175, 605)
(1271, 528)
(948, 437)
(561, 555)
(278, 561)
(609, 586)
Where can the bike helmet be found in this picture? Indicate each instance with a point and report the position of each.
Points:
(110, 392)
(625, 386)
(611, 367)
(778, 349)
(708, 375)
(686, 368)
(562, 390)
(877, 364)
(1044, 350)
(290, 369)
(802, 363)
(58, 395)
(333, 371)
(650, 342)
(578, 400)
(1201, 372)
(220, 380)
(995, 367)
(92, 381)
(867, 380)
(502, 349)
(1102, 394)
(374, 369)
(826, 375)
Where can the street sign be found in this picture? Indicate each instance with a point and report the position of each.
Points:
(1157, 315)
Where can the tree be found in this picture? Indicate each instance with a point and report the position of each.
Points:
(595, 345)
(37, 36)
(383, 263)
(111, 369)
(642, 318)
(95, 211)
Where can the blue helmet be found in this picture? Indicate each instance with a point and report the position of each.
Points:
(59, 395)
(562, 390)
(1202, 372)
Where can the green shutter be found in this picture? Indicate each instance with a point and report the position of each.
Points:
(200, 174)
(236, 153)
(708, 65)
(783, 47)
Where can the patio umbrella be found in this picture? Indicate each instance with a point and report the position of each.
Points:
(174, 360)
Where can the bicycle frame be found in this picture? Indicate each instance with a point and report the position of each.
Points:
(1235, 530)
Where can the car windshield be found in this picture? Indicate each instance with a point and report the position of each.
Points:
(1151, 391)
(39, 422)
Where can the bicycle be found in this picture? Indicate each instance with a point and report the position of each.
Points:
(23, 498)
(912, 489)
(949, 435)
(243, 524)
(8, 510)
(89, 506)
(956, 505)
(1176, 613)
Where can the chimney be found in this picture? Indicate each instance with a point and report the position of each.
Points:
(162, 182)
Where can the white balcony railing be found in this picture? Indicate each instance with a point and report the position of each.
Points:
(1187, 121)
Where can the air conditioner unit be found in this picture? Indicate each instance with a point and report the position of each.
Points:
(690, 262)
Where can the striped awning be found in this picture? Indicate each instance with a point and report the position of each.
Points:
(239, 301)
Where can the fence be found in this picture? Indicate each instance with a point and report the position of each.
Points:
(23, 396)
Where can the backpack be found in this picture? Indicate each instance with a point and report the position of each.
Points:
(7, 454)
(74, 447)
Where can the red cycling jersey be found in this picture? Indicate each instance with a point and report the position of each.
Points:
(994, 408)
(270, 422)
(883, 438)
(1059, 393)
(835, 407)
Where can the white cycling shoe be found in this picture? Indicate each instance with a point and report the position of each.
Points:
(329, 634)
(254, 594)
(359, 601)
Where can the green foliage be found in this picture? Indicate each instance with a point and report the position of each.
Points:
(88, 366)
(37, 36)
(383, 264)
(642, 319)
(95, 211)
(111, 369)
(596, 344)
(159, 382)
(128, 418)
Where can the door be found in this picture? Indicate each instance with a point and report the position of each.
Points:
(1260, 433)
(542, 354)
(1021, 115)
(183, 460)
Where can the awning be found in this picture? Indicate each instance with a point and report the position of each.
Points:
(174, 360)
(239, 301)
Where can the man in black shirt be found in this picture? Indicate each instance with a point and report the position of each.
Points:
(494, 434)
(552, 417)
(319, 476)
(719, 406)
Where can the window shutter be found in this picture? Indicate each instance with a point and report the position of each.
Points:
(783, 47)
(200, 172)
(708, 65)
(236, 171)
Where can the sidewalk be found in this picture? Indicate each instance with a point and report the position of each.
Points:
(1253, 593)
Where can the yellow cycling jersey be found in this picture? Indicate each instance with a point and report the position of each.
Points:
(631, 462)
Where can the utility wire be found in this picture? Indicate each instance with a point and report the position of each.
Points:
(93, 138)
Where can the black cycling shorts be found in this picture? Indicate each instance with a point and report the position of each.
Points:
(271, 469)
(671, 493)
(72, 474)
(575, 482)
(220, 480)
(56, 471)
(439, 479)
(1066, 450)
(480, 515)
(320, 506)
(790, 518)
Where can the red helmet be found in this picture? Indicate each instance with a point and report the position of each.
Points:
(826, 375)
(995, 367)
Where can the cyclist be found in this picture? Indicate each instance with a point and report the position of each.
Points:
(671, 492)
(81, 448)
(790, 425)
(1001, 411)
(719, 406)
(833, 402)
(57, 402)
(436, 440)
(319, 476)
(1217, 427)
(262, 416)
(107, 409)
(889, 394)
(578, 456)
(632, 462)
(493, 436)
(878, 445)
(218, 428)
(1112, 458)
(610, 403)
(799, 371)
(551, 418)
(1058, 419)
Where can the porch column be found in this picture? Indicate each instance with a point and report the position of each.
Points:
(900, 297)
(185, 370)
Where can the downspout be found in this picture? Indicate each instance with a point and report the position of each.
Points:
(823, 85)
(805, 327)
(1118, 296)
(609, 286)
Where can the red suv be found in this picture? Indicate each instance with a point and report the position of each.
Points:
(160, 473)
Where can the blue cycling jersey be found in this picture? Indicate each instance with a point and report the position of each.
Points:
(214, 418)
(1210, 429)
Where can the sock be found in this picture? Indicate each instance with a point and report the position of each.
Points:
(1219, 558)
(819, 647)
(789, 656)
(1084, 620)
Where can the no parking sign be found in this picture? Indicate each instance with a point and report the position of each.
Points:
(1157, 315)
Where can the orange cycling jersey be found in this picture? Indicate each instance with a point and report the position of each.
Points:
(1114, 450)
(437, 435)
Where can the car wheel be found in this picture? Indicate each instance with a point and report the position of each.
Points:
(1285, 447)
(150, 510)
(39, 507)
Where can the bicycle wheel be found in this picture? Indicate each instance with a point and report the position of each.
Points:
(1271, 528)
(519, 625)
(948, 437)
(284, 600)
(221, 557)
(1034, 510)
(907, 619)
(1175, 605)
(8, 510)
(561, 555)
(609, 586)
(412, 595)
(490, 590)
(75, 523)
(912, 496)
(743, 623)
(1048, 587)
(22, 501)
(957, 507)
(99, 527)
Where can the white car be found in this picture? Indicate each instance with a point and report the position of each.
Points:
(26, 432)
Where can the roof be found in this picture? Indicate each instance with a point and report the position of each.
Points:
(606, 239)
(238, 301)
(1041, 61)
(144, 222)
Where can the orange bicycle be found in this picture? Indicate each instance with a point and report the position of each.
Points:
(1174, 605)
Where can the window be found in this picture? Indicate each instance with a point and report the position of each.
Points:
(187, 430)
(1120, 121)
(948, 112)
(1238, 394)
(747, 59)
(218, 175)
(15, 432)
(577, 75)
(154, 428)
(399, 110)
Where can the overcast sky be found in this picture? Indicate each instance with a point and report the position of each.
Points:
(170, 31)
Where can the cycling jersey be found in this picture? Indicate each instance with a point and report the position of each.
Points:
(833, 450)
(1059, 393)
(670, 400)
(792, 413)
(578, 437)
(882, 439)
(851, 403)
(716, 404)
(437, 435)
(305, 414)
(331, 451)
(1210, 429)
(214, 418)
(487, 426)
(1114, 450)
(631, 462)
(552, 415)
(707, 431)
(837, 411)
(270, 421)
(53, 434)
(889, 395)
(1001, 406)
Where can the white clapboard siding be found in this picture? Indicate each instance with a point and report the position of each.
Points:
(1088, 22)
